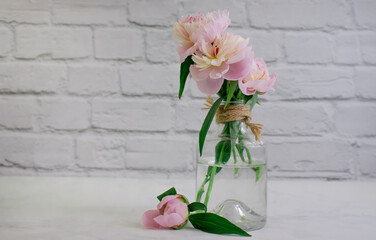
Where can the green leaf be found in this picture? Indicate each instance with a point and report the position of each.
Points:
(206, 124)
(232, 88)
(247, 98)
(222, 151)
(212, 223)
(240, 149)
(184, 71)
(222, 155)
(258, 171)
(171, 191)
(253, 102)
(196, 206)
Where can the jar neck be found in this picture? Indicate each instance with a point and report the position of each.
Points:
(233, 130)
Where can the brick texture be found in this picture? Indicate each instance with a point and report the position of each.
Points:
(67, 114)
(310, 155)
(58, 43)
(45, 152)
(31, 77)
(141, 153)
(299, 14)
(101, 152)
(133, 115)
(17, 113)
(148, 12)
(24, 11)
(137, 80)
(89, 88)
(119, 43)
(92, 80)
(5, 41)
(89, 12)
(318, 48)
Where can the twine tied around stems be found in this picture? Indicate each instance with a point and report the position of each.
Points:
(234, 113)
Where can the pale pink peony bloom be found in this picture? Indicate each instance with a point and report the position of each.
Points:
(216, 23)
(191, 30)
(172, 212)
(258, 79)
(229, 57)
(188, 32)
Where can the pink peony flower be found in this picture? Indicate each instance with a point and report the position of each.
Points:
(258, 79)
(229, 56)
(191, 30)
(172, 212)
(216, 23)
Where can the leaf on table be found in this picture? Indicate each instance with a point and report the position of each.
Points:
(213, 223)
(197, 206)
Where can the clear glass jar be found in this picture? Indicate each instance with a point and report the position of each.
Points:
(231, 175)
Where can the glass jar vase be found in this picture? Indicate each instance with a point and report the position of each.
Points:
(231, 175)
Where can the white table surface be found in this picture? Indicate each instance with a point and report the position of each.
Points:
(109, 208)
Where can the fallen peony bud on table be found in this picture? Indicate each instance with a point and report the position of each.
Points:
(171, 212)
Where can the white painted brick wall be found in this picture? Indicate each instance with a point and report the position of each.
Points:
(119, 43)
(92, 79)
(60, 43)
(25, 77)
(36, 151)
(89, 12)
(89, 88)
(132, 115)
(310, 155)
(65, 114)
(25, 11)
(155, 153)
(138, 80)
(5, 41)
(101, 152)
(318, 48)
(17, 113)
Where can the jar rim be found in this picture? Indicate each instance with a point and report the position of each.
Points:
(232, 102)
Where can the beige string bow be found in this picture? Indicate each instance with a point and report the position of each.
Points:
(234, 113)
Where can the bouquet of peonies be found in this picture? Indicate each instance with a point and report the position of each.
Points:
(220, 63)
(224, 64)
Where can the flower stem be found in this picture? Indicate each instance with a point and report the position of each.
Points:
(212, 174)
(211, 181)
(249, 155)
(235, 161)
(201, 190)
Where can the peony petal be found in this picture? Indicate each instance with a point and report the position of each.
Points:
(182, 210)
(218, 72)
(198, 74)
(210, 86)
(165, 200)
(268, 85)
(170, 220)
(243, 52)
(221, 21)
(245, 87)
(148, 219)
(184, 52)
(239, 70)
